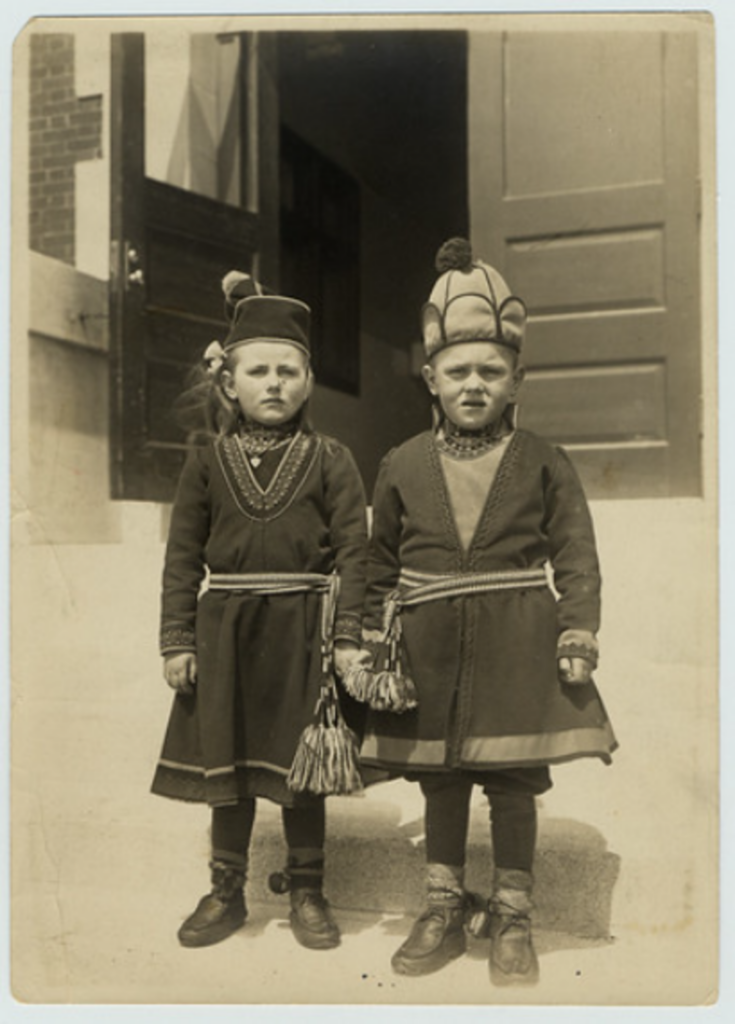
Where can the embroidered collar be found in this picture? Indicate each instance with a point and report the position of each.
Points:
(457, 443)
(266, 503)
(256, 439)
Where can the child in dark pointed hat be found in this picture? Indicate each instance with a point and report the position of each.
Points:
(263, 587)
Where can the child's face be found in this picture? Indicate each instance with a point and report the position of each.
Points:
(270, 381)
(474, 381)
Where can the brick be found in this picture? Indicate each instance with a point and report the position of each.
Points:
(77, 146)
(65, 110)
(81, 119)
(87, 132)
(59, 221)
(60, 71)
(59, 245)
(57, 238)
(60, 41)
(54, 189)
(90, 127)
(52, 239)
(60, 95)
(54, 159)
(54, 137)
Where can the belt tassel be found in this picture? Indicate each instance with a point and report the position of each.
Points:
(326, 758)
(379, 679)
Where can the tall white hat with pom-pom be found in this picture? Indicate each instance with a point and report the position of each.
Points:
(470, 301)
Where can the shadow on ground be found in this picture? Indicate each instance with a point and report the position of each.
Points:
(376, 864)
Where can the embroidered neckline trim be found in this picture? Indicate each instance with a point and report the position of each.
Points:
(459, 444)
(266, 503)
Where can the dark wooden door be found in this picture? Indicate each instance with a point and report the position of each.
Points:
(170, 249)
(590, 203)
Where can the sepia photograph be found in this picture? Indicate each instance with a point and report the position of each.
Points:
(364, 608)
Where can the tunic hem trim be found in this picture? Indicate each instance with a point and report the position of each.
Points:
(541, 748)
(195, 769)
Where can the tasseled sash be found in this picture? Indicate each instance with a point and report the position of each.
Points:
(378, 678)
(325, 761)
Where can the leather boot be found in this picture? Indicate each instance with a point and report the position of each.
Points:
(438, 935)
(221, 912)
(311, 919)
(513, 959)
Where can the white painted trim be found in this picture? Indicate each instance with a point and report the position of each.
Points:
(67, 305)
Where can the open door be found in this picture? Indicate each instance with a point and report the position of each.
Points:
(590, 203)
(170, 249)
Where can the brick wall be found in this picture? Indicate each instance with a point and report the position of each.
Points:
(63, 129)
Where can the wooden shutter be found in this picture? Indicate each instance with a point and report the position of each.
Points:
(584, 190)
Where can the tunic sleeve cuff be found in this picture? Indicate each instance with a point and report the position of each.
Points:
(348, 626)
(578, 643)
(177, 638)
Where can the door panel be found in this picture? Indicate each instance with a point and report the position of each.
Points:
(592, 212)
(614, 269)
(604, 87)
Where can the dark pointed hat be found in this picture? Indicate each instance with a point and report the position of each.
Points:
(254, 315)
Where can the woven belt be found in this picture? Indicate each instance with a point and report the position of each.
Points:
(264, 583)
(420, 587)
(267, 584)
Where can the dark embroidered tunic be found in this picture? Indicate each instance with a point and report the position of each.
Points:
(258, 657)
(485, 666)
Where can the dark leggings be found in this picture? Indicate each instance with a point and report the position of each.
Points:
(232, 828)
(512, 821)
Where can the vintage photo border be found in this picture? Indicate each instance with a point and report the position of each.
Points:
(724, 13)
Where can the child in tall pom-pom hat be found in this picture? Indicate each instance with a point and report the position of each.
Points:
(476, 672)
(263, 588)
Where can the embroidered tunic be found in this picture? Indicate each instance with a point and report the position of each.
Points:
(485, 665)
(258, 657)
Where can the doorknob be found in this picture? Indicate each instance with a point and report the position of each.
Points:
(133, 274)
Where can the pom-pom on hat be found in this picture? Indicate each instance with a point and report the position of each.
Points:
(255, 316)
(470, 302)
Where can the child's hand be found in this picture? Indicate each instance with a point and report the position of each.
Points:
(575, 671)
(345, 654)
(180, 671)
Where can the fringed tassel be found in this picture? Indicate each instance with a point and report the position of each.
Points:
(392, 691)
(326, 758)
(358, 681)
(359, 678)
(385, 688)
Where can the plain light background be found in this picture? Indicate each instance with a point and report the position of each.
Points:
(12, 22)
